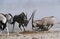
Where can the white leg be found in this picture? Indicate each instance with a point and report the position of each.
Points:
(7, 30)
(45, 26)
(13, 27)
(49, 27)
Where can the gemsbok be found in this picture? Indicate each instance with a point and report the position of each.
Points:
(45, 23)
(22, 20)
(4, 19)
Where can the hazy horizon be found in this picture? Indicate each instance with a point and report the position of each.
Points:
(44, 7)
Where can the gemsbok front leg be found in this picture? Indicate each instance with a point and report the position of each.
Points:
(20, 27)
(23, 27)
(6, 26)
(13, 27)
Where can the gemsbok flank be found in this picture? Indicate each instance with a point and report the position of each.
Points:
(45, 23)
(4, 19)
(22, 20)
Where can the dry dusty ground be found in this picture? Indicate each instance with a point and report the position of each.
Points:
(32, 35)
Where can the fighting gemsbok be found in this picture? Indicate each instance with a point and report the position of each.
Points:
(22, 20)
(45, 23)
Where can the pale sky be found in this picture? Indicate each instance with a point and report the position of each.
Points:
(44, 7)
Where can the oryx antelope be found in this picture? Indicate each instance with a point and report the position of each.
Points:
(45, 23)
(4, 19)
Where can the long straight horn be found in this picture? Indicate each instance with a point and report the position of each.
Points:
(32, 15)
(33, 18)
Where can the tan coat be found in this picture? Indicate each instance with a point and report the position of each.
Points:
(45, 22)
(49, 20)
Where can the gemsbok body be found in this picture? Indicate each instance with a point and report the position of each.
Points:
(45, 23)
(4, 19)
(22, 20)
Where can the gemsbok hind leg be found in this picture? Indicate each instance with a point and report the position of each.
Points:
(20, 27)
(6, 26)
(50, 26)
(13, 27)
(23, 27)
(7, 30)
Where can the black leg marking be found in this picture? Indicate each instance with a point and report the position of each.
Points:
(20, 27)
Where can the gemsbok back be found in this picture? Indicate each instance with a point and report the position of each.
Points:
(45, 23)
